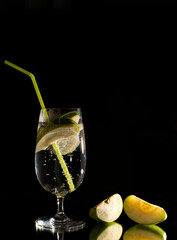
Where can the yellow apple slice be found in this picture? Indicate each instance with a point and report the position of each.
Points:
(143, 212)
(106, 231)
(108, 210)
(146, 232)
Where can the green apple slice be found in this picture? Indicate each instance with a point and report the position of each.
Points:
(108, 210)
(106, 231)
(143, 212)
(146, 232)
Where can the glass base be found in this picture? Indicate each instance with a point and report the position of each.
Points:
(69, 225)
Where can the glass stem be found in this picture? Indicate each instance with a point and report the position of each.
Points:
(60, 216)
(60, 205)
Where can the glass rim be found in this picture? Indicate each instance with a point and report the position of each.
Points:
(61, 108)
(53, 113)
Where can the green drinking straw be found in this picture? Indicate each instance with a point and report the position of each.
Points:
(54, 145)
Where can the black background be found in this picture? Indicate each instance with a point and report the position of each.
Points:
(68, 4)
(125, 85)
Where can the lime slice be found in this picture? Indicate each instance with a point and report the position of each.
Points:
(66, 135)
(71, 115)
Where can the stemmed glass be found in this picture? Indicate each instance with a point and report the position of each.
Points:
(60, 161)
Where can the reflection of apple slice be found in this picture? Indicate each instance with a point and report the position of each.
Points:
(108, 210)
(149, 232)
(143, 212)
(105, 231)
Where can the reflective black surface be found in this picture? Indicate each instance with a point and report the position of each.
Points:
(19, 217)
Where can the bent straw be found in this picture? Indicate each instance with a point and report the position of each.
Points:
(54, 145)
(34, 84)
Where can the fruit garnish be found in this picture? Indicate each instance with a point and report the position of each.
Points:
(71, 115)
(108, 210)
(143, 212)
(64, 132)
(50, 133)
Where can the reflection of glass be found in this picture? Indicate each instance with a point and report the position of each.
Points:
(60, 161)
(50, 234)
(106, 231)
(60, 236)
(148, 232)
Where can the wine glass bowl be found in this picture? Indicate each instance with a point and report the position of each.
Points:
(60, 161)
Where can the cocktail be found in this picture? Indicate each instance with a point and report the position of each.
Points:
(63, 172)
(60, 157)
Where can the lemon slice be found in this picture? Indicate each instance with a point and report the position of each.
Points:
(69, 144)
(65, 135)
(64, 132)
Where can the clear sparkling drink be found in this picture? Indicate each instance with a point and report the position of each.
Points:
(68, 134)
(50, 174)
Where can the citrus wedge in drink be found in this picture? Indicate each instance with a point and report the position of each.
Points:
(143, 212)
(65, 133)
(71, 115)
(69, 144)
